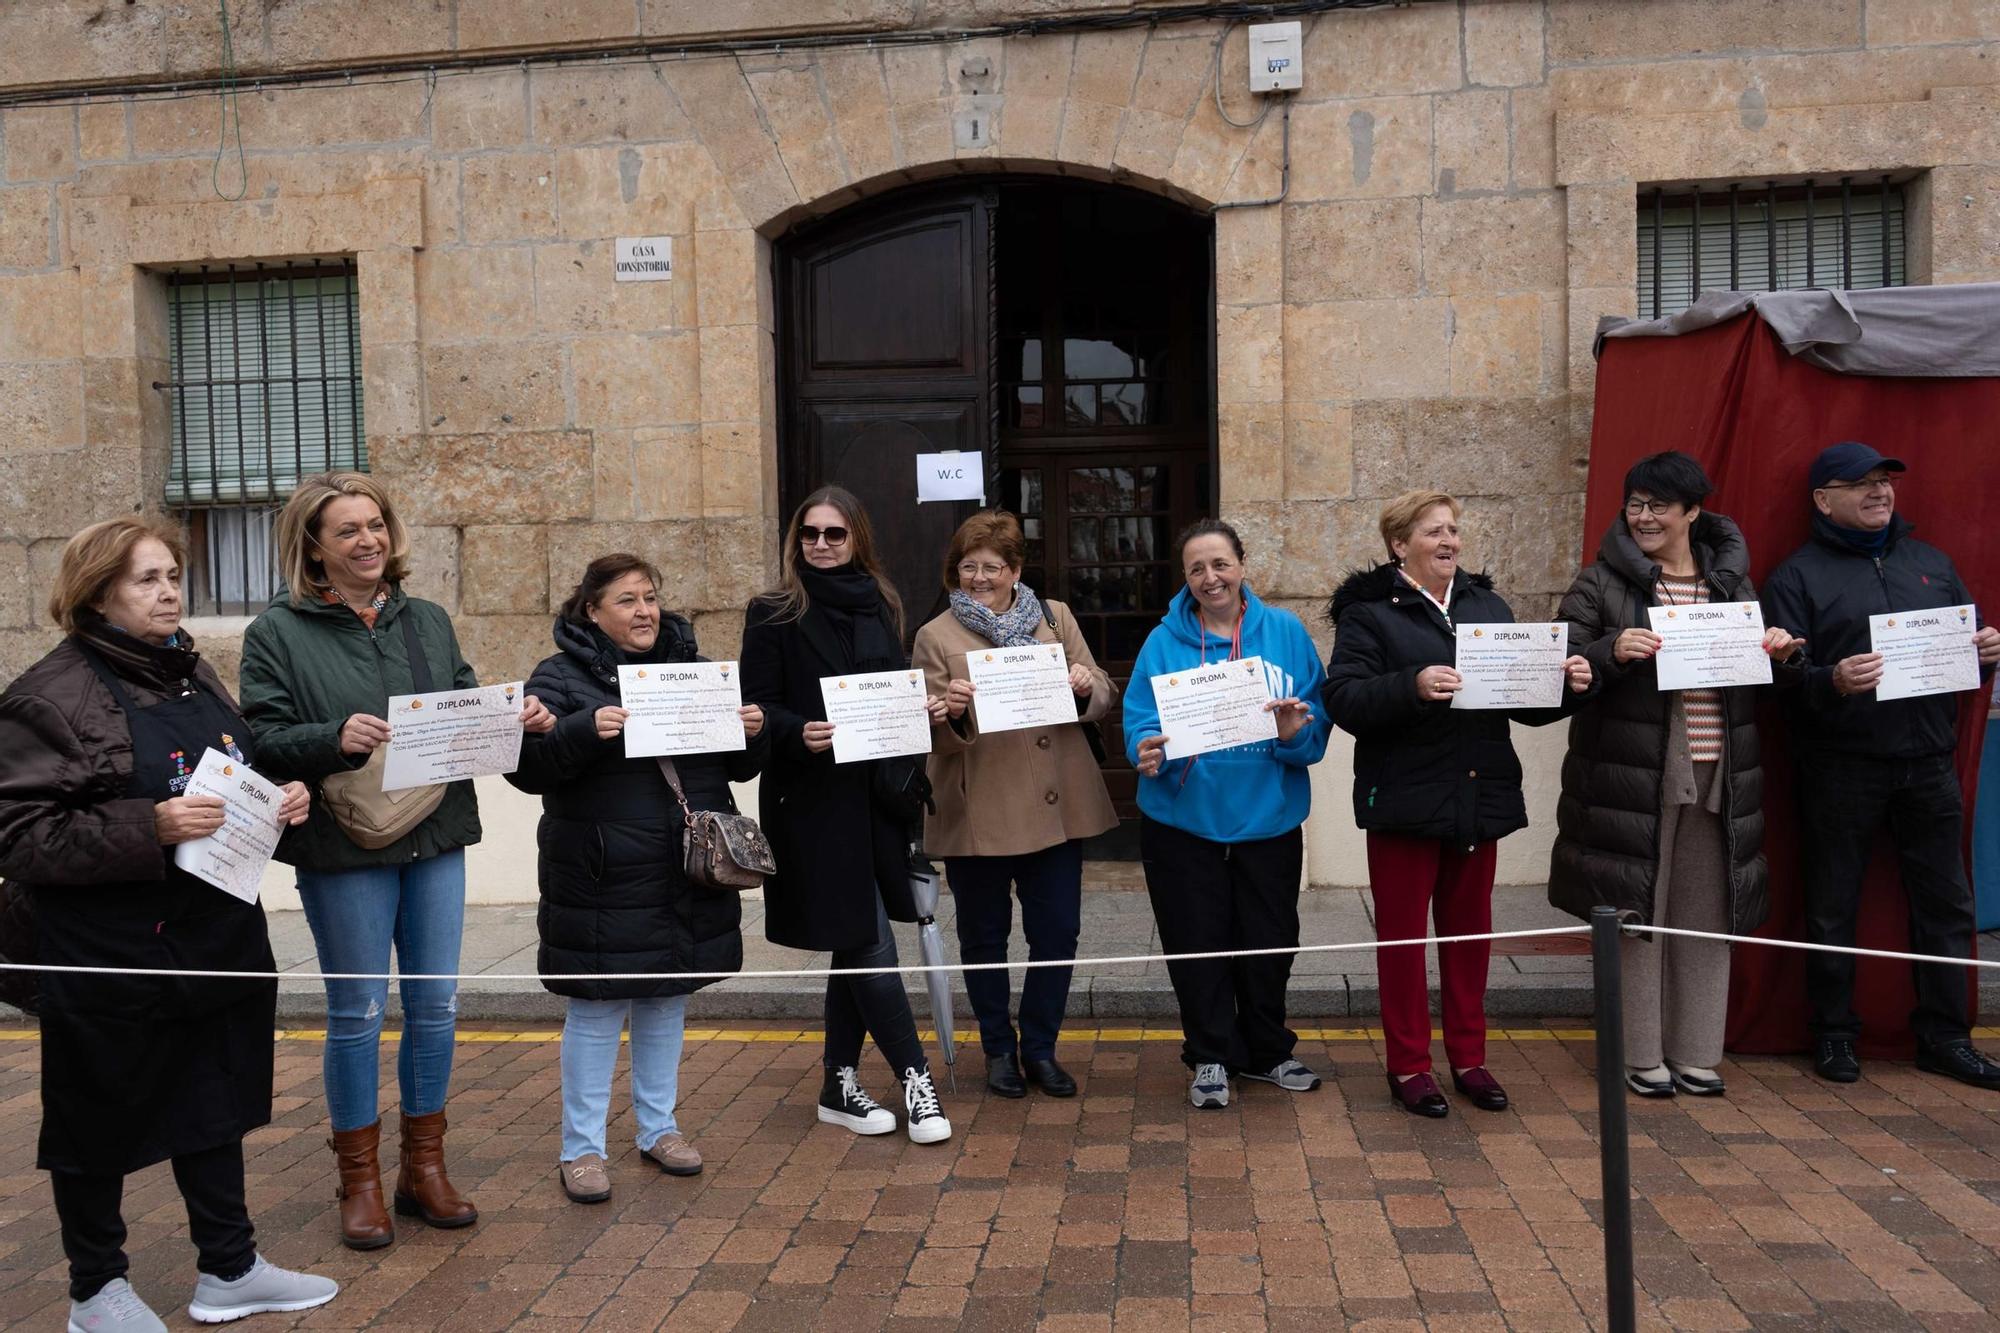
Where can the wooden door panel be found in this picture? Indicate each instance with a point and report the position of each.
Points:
(896, 301)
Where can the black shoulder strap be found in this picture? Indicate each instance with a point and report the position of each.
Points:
(1049, 614)
(420, 670)
(108, 676)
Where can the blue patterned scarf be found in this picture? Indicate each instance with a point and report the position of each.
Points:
(1012, 630)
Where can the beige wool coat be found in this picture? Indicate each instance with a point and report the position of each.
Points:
(1011, 792)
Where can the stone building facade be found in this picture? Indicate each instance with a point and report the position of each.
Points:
(1459, 210)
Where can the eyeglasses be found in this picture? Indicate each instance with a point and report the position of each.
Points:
(812, 536)
(1881, 483)
(968, 570)
(1657, 508)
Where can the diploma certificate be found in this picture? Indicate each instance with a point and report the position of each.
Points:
(877, 715)
(1021, 687)
(1511, 666)
(452, 734)
(1710, 645)
(1925, 652)
(234, 856)
(681, 708)
(1214, 707)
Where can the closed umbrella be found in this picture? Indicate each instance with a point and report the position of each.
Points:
(924, 884)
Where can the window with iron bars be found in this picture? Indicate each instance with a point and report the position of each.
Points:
(266, 389)
(1767, 236)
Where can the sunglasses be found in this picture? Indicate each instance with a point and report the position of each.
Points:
(812, 536)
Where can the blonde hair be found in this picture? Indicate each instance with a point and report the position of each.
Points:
(96, 556)
(1400, 515)
(298, 531)
(790, 597)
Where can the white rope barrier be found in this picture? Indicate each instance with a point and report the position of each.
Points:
(1635, 928)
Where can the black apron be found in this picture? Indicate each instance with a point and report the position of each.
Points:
(139, 1069)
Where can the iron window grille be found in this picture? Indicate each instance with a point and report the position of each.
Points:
(1847, 234)
(265, 390)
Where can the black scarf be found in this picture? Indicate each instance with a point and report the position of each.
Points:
(1862, 541)
(591, 646)
(160, 668)
(851, 603)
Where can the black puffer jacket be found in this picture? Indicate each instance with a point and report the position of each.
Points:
(1608, 819)
(614, 897)
(1421, 768)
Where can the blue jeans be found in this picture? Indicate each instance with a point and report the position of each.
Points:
(355, 916)
(1049, 884)
(590, 1054)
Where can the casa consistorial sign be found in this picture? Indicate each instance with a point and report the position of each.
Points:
(644, 258)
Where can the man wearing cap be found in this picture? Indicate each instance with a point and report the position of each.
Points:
(1864, 762)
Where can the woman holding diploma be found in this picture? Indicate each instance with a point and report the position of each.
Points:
(1013, 805)
(101, 737)
(1435, 787)
(1219, 830)
(318, 669)
(841, 832)
(615, 893)
(1662, 791)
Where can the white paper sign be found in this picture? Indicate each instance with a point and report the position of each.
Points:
(1925, 652)
(1022, 687)
(452, 734)
(642, 259)
(681, 708)
(877, 714)
(234, 856)
(1511, 666)
(1711, 645)
(951, 476)
(1214, 707)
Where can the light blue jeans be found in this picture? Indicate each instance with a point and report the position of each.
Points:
(590, 1054)
(356, 915)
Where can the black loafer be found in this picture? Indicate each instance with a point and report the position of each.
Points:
(1480, 1088)
(1959, 1060)
(1834, 1060)
(1050, 1077)
(1003, 1077)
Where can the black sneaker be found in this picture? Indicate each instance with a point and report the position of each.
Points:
(1835, 1061)
(842, 1102)
(1958, 1059)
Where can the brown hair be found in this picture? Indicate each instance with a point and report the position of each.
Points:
(1400, 515)
(600, 574)
(96, 556)
(298, 531)
(1207, 527)
(790, 595)
(993, 530)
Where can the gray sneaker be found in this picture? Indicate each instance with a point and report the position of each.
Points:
(265, 1289)
(1210, 1087)
(116, 1308)
(1288, 1074)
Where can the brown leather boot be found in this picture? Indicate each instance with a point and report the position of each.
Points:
(364, 1222)
(421, 1187)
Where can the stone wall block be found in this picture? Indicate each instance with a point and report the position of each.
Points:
(591, 104)
(1384, 349)
(1319, 353)
(1090, 133)
(392, 388)
(494, 386)
(1353, 250)
(442, 203)
(1471, 133)
(1496, 346)
(504, 648)
(388, 295)
(485, 24)
(675, 546)
(1259, 172)
(323, 115)
(101, 132)
(612, 497)
(718, 101)
(577, 291)
(647, 190)
(434, 566)
(1251, 448)
(725, 282)
(466, 294)
(1504, 447)
(923, 132)
(1586, 306)
(506, 570)
(509, 197)
(460, 480)
(40, 143)
(1323, 541)
(1369, 53)
(1927, 22)
(17, 589)
(1494, 245)
(1605, 30)
(114, 401)
(49, 495)
(25, 233)
(667, 472)
(733, 462)
(1104, 65)
(44, 406)
(1173, 72)
(483, 109)
(1148, 142)
(1531, 543)
(331, 30)
(1261, 525)
(858, 98)
(1503, 43)
(799, 120)
(1532, 146)
(1037, 66)
(1361, 149)
(734, 362)
(1319, 450)
(384, 213)
(1965, 224)
(41, 316)
(1209, 153)
(1249, 243)
(1250, 354)
(634, 379)
(719, 633)
(1602, 252)
(741, 560)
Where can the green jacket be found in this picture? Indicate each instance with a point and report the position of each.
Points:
(306, 670)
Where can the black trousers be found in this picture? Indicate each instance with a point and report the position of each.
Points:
(1843, 803)
(93, 1223)
(1215, 895)
(874, 1005)
(1050, 886)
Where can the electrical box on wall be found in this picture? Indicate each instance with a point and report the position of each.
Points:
(1277, 57)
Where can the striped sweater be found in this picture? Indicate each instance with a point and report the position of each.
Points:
(1704, 707)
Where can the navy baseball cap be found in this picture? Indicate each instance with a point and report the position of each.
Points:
(1850, 460)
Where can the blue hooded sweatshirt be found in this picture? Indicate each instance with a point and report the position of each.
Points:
(1249, 791)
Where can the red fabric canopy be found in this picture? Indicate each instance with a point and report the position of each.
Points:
(1755, 416)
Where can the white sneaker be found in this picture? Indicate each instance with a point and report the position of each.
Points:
(843, 1103)
(926, 1118)
(116, 1308)
(1210, 1088)
(265, 1289)
(1291, 1075)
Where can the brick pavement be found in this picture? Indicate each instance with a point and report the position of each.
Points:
(1789, 1205)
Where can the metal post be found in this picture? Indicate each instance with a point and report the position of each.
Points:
(1613, 1146)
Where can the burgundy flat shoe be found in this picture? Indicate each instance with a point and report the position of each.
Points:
(1481, 1087)
(1419, 1096)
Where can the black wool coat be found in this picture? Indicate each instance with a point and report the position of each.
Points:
(837, 851)
(1608, 819)
(615, 896)
(1421, 768)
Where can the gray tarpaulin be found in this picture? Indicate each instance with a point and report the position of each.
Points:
(1950, 330)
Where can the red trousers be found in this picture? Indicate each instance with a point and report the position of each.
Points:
(1415, 878)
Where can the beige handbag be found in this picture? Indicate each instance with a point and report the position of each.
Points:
(370, 817)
